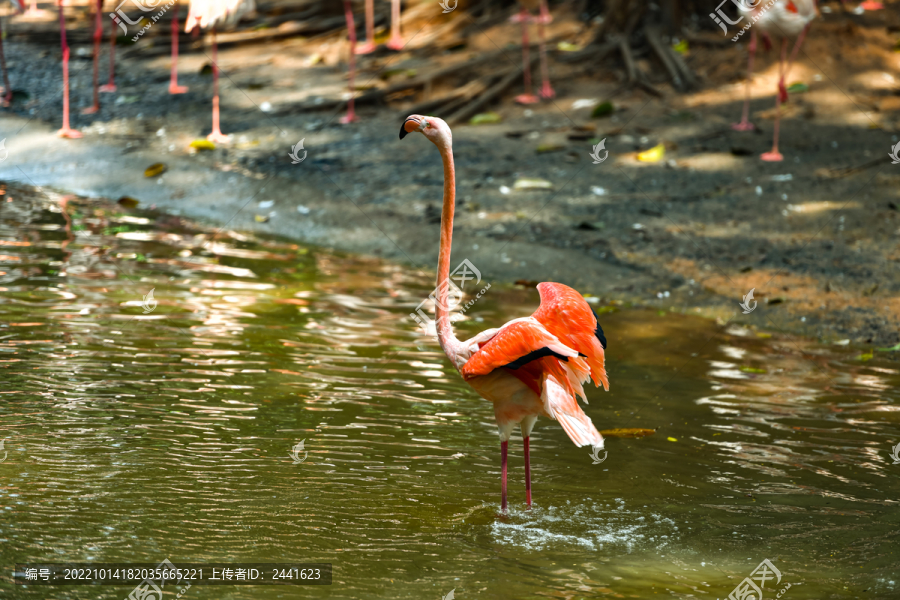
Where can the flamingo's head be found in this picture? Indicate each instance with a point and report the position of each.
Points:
(433, 128)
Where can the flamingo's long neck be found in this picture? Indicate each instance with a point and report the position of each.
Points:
(448, 341)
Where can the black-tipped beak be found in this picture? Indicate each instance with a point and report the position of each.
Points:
(403, 131)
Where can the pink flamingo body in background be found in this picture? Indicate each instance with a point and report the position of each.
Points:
(396, 40)
(17, 8)
(351, 31)
(531, 366)
(785, 19)
(524, 17)
(211, 14)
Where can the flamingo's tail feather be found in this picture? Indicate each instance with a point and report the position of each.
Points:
(561, 405)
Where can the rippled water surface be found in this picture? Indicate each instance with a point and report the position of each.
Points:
(133, 437)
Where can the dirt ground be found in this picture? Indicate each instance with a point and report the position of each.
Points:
(815, 236)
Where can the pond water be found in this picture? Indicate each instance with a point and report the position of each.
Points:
(135, 436)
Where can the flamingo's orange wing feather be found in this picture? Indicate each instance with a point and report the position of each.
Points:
(514, 345)
(567, 316)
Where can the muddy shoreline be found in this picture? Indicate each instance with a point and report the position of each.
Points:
(693, 232)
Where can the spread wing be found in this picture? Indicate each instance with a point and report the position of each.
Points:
(567, 316)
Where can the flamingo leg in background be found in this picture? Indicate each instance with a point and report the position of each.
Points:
(369, 46)
(527, 97)
(546, 90)
(66, 131)
(351, 30)
(775, 155)
(216, 135)
(174, 88)
(745, 124)
(34, 11)
(781, 87)
(98, 36)
(110, 86)
(7, 89)
(504, 446)
(396, 41)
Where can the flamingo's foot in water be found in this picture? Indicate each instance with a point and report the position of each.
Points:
(743, 126)
(177, 89)
(35, 13)
(6, 99)
(108, 87)
(67, 132)
(527, 99)
(871, 5)
(90, 110)
(544, 19)
(396, 43)
(217, 137)
(366, 48)
(547, 91)
(773, 156)
(348, 118)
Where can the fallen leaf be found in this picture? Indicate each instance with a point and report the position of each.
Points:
(544, 148)
(891, 349)
(127, 202)
(155, 170)
(671, 439)
(532, 184)
(627, 432)
(681, 47)
(261, 218)
(797, 88)
(654, 154)
(568, 47)
(866, 356)
(752, 370)
(203, 145)
(485, 118)
(604, 109)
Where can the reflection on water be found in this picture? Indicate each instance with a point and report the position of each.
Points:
(135, 433)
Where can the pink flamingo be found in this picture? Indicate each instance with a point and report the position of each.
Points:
(530, 366)
(351, 30)
(785, 19)
(35, 12)
(212, 13)
(110, 85)
(17, 7)
(66, 131)
(524, 17)
(396, 40)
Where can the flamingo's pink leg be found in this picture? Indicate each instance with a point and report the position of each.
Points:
(782, 89)
(527, 97)
(34, 11)
(745, 124)
(110, 86)
(7, 89)
(216, 135)
(396, 41)
(369, 46)
(503, 448)
(98, 36)
(527, 441)
(545, 16)
(546, 90)
(66, 131)
(775, 155)
(351, 29)
(174, 88)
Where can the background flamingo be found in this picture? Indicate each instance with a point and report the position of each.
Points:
(396, 40)
(65, 131)
(785, 19)
(174, 88)
(531, 366)
(524, 17)
(211, 14)
(351, 30)
(17, 7)
(98, 36)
